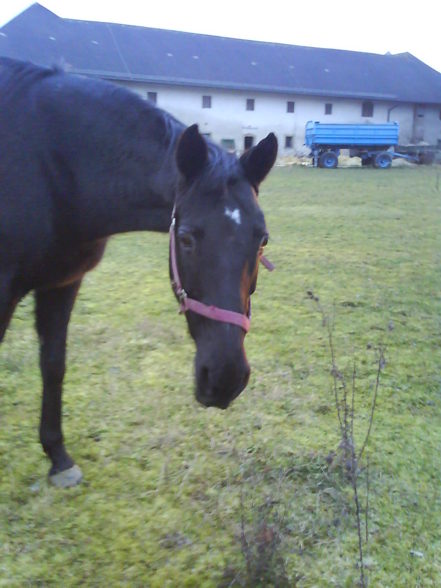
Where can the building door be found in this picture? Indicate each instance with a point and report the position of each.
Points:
(418, 123)
(248, 142)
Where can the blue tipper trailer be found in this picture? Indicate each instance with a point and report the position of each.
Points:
(374, 143)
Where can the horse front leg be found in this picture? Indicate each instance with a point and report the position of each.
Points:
(53, 309)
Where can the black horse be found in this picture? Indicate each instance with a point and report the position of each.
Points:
(81, 160)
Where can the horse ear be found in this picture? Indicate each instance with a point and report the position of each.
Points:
(258, 160)
(191, 153)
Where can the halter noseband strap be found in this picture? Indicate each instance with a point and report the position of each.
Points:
(186, 303)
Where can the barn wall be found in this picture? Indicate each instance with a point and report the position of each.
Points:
(228, 119)
(432, 124)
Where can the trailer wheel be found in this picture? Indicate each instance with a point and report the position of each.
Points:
(328, 160)
(383, 160)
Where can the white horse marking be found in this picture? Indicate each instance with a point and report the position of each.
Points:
(233, 214)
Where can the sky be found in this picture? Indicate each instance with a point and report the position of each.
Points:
(376, 26)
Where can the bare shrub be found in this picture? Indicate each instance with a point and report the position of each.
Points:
(350, 459)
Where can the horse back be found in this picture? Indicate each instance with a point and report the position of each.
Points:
(24, 193)
(37, 241)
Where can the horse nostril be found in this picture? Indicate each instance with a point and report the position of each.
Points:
(205, 392)
(243, 383)
(204, 376)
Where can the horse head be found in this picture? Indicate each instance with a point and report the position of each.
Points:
(217, 238)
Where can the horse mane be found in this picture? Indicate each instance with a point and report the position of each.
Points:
(16, 76)
(222, 166)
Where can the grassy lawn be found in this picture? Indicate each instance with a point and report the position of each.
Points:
(177, 495)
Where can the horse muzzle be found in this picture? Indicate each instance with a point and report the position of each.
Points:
(218, 383)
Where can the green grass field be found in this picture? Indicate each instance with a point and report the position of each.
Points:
(177, 495)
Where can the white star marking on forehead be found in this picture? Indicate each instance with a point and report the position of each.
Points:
(233, 214)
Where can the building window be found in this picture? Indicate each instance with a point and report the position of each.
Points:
(250, 104)
(328, 108)
(152, 97)
(206, 101)
(288, 142)
(367, 108)
(290, 105)
(248, 142)
(229, 145)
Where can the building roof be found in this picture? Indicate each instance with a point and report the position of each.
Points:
(124, 52)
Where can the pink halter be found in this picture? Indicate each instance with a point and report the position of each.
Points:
(211, 312)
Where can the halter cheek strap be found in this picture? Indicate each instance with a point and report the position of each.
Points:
(212, 312)
(186, 303)
(266, 263)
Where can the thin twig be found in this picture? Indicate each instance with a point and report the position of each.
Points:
(354, 374)
(336, 374)
(381, 363)
(346, 425)
(358, 514)
(366, 512)
(243, 535)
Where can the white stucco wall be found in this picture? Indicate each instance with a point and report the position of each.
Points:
(228, 118)
(432, 125)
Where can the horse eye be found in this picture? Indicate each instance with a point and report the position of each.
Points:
(187, 241)
(264, 241)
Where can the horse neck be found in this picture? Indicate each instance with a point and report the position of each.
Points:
(126, 174)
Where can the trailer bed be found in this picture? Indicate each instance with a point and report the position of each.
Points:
(347, 136)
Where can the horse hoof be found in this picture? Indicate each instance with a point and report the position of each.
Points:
(67, 478)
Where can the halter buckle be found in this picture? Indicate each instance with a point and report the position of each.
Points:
(181, 295)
